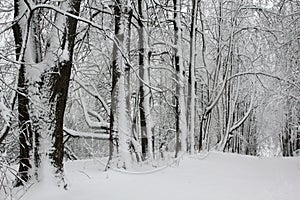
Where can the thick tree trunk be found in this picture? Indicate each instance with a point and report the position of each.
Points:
(119, 119)
(181, 124)
(46, 82)
(25, 134)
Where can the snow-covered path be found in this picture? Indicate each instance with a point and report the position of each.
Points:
(217, 177)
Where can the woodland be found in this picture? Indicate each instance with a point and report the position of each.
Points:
(139, 81)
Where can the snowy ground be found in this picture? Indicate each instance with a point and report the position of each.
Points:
(216, 177)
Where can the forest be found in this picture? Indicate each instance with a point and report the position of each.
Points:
(144, 83)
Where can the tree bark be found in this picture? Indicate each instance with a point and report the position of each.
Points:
(192, 79)
(181, 124)
(144, 91)
(119, 119)
(46, 81)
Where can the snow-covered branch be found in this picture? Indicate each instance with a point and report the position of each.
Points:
(5, 112)
(68, 14)
(263, 74)
(241, 121)
(212, 105)
(92, 124)
(94, 93)
(101, 136)
(7, 116)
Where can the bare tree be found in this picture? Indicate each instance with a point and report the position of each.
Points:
(43, 87)
(181, 124)
(119, 119)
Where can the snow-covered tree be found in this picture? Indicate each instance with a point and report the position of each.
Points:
(43, 82)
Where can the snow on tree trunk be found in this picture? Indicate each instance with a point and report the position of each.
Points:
(47, 82)
(119, 118)
(181, 127)
(144, 92)
(25, 135)
(122, 123)
(231, 108)
(192, 79)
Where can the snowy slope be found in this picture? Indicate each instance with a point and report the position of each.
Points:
(216, 177)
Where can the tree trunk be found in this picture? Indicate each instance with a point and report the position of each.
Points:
(192, 79)
(181, 124)
(47, 83)
(144, 91)
(25, 135)
(119, 119)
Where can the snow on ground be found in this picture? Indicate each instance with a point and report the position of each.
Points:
(218, 176)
